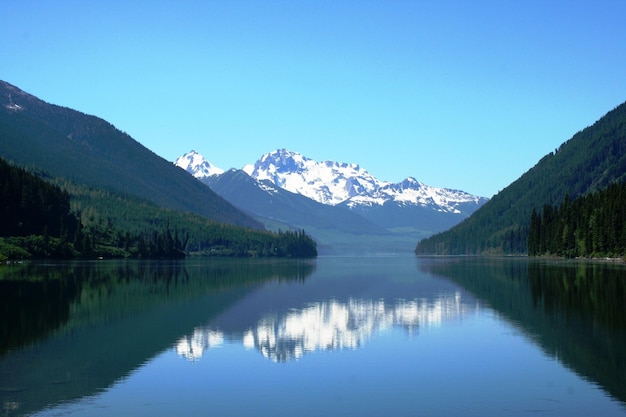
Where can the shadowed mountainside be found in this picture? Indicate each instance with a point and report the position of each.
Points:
(88, 150)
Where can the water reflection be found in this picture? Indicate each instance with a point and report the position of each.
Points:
(68, 330)
(329, 325)
(575, 311)
(109, 348)
(38, 300)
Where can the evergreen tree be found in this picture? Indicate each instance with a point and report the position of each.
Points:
(591, 225)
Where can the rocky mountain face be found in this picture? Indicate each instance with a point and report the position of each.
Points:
(335, 183)
(348, 184)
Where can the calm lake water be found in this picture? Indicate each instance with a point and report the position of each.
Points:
(335, 336)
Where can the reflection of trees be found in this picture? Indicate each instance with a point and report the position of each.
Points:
(589, 299)
(589, 289)
(33, 303)
(111, 317)
(329, 325)
(37, 299)
(574, 310)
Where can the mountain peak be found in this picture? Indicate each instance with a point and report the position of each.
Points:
(283, 160)
(333, 183)
(336, 183)
(284, 154)
(285, 188)
(325, 182)
(12, 98)
(197, 165)
(410, 182)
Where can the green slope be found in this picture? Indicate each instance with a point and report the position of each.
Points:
(591, 160)
(91, 151)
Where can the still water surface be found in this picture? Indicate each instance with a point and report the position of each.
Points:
(345, 336)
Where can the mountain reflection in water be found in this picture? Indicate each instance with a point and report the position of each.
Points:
(72, 329)
(329, 325)
(496, 337)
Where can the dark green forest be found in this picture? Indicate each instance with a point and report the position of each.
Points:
(36, 217)
(593, 225)
(40, 220)
(590, 161)
(32, 206)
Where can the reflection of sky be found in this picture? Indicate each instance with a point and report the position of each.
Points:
(329, 325)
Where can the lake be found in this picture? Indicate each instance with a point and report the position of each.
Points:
(344, 336)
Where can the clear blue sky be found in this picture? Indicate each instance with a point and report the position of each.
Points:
(459, 94)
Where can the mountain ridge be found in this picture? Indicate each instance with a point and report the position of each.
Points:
(89, 150)
(196, 165)
(337, 183)
(361, 214)
(591, 160)
(273, 205)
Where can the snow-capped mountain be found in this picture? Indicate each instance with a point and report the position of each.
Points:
(335, 183)
(348, 184)
(412, 192)
(326, 182)
(195, 164)
(341, 205)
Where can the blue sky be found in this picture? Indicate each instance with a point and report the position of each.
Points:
(458, 94)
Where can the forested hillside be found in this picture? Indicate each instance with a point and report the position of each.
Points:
(590, 161)
(32, 206)
(103, 211)
(38, 221)
(592, 225)
(88, 150)
(126, 201)
(36, 215)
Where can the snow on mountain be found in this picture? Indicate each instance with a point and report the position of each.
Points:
(340, 183)
(326, 182)
(335, 183)
(196, 165)
(412, 192)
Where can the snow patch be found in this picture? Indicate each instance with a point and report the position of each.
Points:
(197, 165)
(333, 183)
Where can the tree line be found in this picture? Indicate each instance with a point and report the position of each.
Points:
(41, 220)
(592, 225)
(32, 206)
